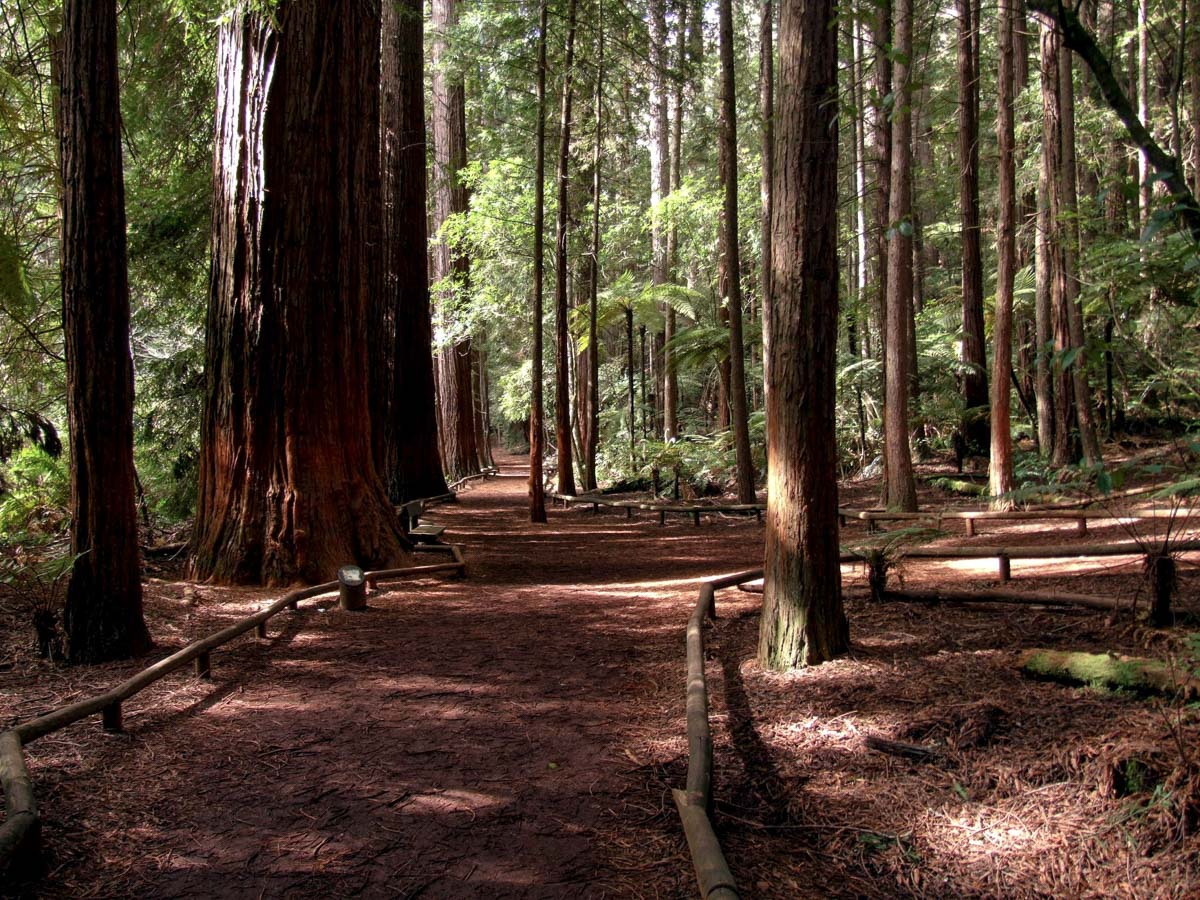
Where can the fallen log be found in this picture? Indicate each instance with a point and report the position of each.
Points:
(915, 752)
(1030, 598)
(1106, 670)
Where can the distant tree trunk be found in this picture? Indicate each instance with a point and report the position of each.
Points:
(1071, 302)
(592, 444)
(451, 266)
(737, 362)
(537, 432)
(670, 375)
(901, 487)
(404, 416)
(1000, 470)
(766, 95)
(803, 621)
(483, 416)
(288, 486)
(1145, 189)
(562, 340)
(881, 139)
(103, 615)
(974, 356)
(1043, 302)
(629, 377)
(660, 187)
(1194, 104)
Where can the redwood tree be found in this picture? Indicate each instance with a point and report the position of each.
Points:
(900, 486)
(732, 261)
(537, 432)
(562, 341)
(404, 415)
(451, 267)
(288, 485)
(803, 622)
(103, 614)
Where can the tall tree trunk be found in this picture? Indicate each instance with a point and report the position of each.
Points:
(1071, 302)
(670, 375)
(766, 100)
(660, 187)
(537, 414)
(404, 417)
(1000, 470)
(729, 218)
(593, 431)
(1043, 304)
(451, 266)
(288, 486)
(562, 340)
(630, 379)
(974, 356)
(1145, 189)
(103, 615)
(881, 139)
(901, 486)
(803, 621)
(1194, 102)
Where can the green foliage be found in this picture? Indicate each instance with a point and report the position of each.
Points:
(34, 490)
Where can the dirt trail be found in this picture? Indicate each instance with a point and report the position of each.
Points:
(511, 735)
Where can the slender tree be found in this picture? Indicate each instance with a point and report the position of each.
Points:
(660, 187)
(103, 614)
(732, 267)
(288, 485)
(901, 486)
(974, 357)
(451, 265)
(1000, 472)
(537, 439)
(562, 340)
(592, 444)
(803, 622)
(404, 413)
(766, 100)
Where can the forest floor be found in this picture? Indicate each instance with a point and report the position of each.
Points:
(517, 734)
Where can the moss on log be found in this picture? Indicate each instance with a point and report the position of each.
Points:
(1105, 670)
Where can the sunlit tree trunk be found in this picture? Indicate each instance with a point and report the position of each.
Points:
(103, 615)
(288, 486)
(403, 417)
(803, 622)
(766, 101)
(537, 433)
(592, 444)
(729, 219)
(1000, 470)
(451, 266)
(562, 341)
(901, 486)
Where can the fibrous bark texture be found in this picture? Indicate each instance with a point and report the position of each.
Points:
(404, 413)
(103, 615)
(451, 267)
(288, 485)
(562, 339)
(803, 622)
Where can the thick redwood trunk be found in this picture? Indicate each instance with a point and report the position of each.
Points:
(803, 622)
(288, 485)
(104, 597)
(451, 267)
(562, 342)
(404, 417)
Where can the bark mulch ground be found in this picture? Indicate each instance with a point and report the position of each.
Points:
(517, 734)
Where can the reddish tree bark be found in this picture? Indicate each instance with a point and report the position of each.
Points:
(803, 622)
(288, 486)
(1000, 470)
(103, 616)
(404, 415)
(537, 434)
(562, 341)
(451, 267)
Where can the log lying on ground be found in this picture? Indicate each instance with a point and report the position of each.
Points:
(1031, 598)
(915, 752)
(1131, 673)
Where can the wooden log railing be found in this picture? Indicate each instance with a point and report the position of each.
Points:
(20, 831)
(695, 803)
(872, 517)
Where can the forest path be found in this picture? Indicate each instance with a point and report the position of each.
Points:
(510, 735)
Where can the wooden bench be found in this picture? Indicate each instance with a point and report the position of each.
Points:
(410, 518)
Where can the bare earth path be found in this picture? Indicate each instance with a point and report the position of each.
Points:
(511, 735)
